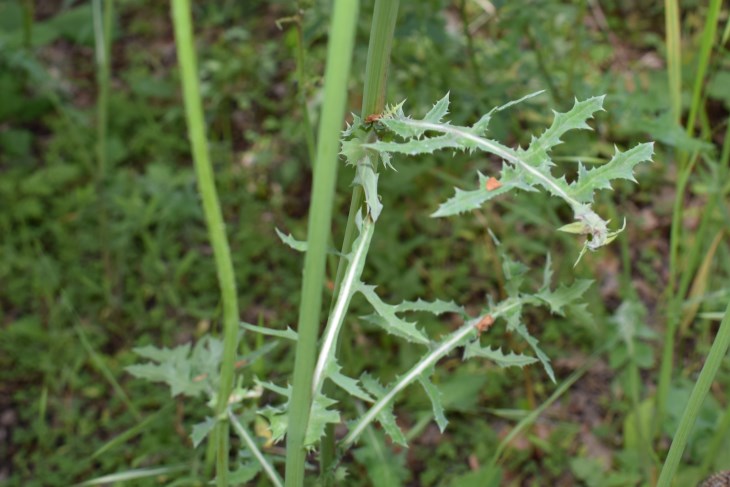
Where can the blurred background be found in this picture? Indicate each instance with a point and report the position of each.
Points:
(98, 258)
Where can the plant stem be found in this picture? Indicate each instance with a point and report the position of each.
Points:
(214, 222)
(251, 444)
(708, 38)
(702, 386)
(102, 17)
(339, 55)
(337, 316)
(385, 13)
(674, 57)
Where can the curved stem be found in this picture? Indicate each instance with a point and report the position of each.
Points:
(214, 222)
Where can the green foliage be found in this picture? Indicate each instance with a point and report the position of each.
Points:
(526, 169)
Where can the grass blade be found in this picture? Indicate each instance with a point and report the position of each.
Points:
(702, 386)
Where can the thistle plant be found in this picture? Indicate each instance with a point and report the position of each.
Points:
(372, 146)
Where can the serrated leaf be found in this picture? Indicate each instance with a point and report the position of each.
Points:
(298, 245)
(289, 334)
(278, 421)
(385, 416)
(415, 146)
(320, 416)
(533, 342)
(368, 179)
(436, 307)
(621, 166)
(473, 349)
(389, 321)
(348, 384)
(575, 118)
(564, 295)
(438, 111)
(201, 431)
(174, 368)
(434, 394)
(464, 201)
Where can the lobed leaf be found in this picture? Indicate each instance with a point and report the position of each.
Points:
(434, 394)
(621, 166)
(564, 295)
(436, 307)
(387, 319)
(473, 349)
(385, 416)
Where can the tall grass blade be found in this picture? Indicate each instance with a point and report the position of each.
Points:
(339, 55)
(702, 386)
(214, 221)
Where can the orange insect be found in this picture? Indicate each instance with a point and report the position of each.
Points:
(493, 183)
(484, 324)
(373, 118)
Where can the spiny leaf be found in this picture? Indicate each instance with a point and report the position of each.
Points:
(385, 416)
(348, 384)
(575, 118)
(389, 321)
(438, 111)
(621, 166)
(415, 146)
(436, 307)
(564, 295)
(435, 396)
(298, 245)
(174, 368)
(368, 179)
(289, 334)
(319, 417)
(533, 342)
(473, 349)
(464, 201)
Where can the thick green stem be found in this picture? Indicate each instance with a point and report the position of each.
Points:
(339, 55)
(702, 386)
(214, 222)
(385, 13)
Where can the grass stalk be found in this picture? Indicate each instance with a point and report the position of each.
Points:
(708, 38)
(385, 13)
(674, 57)
(103, 11)
(254, 449)
(214, 220)
(699, 392)
(339, 55)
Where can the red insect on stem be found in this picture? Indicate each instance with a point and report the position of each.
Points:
(373, 117)
(484, 324)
